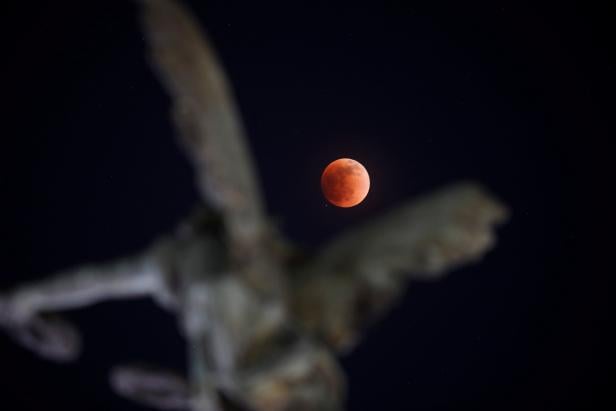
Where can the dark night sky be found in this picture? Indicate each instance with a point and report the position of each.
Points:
(514, 96)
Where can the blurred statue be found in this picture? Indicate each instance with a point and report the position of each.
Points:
(262, 331)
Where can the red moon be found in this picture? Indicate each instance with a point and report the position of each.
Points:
(345, 182)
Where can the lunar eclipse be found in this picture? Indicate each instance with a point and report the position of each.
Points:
(345, 182)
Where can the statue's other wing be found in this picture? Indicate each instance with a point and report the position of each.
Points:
(359, 274)
(206, 118)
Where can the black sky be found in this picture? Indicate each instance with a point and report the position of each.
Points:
(517, 97)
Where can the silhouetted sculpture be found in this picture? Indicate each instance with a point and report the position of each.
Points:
(262, 332)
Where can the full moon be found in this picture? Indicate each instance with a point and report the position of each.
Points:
(345, 182)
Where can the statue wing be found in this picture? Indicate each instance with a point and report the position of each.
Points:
(207, 120)
(362, 272)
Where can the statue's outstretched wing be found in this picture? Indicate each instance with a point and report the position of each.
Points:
(206, 118)
(358, 275)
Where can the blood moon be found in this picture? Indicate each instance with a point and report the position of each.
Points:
(345, 182)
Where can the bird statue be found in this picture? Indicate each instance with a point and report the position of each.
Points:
(263, 329)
